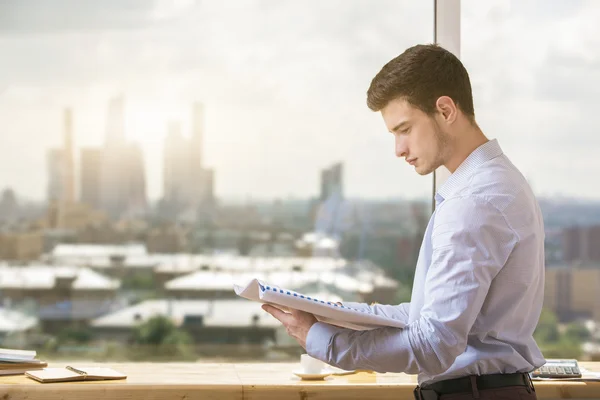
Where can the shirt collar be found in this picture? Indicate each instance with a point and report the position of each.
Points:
(459, 179)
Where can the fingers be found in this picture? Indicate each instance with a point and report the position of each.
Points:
(276, 306)
(282, 316)
(299, 313)
(295, 312)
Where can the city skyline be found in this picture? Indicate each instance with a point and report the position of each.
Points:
(284, 88)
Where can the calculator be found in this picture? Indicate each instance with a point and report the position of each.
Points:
(556, 369)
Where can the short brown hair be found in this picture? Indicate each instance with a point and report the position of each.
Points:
(421, 75)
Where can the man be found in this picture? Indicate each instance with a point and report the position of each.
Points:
(478, 288)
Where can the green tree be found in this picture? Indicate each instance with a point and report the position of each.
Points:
(563, 348)
(138, 282)
(158, 337)
(577, 331)
(402, 294)
(552, 343)
(547, 328)
(74, 335)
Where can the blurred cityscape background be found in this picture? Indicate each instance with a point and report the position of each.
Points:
(153, 155)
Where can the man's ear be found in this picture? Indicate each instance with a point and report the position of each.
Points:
(447, 109)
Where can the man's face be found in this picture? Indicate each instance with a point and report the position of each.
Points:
(418, 136)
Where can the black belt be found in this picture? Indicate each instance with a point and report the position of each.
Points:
(464, 385)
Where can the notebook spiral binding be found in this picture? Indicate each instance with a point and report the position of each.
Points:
(77, 371)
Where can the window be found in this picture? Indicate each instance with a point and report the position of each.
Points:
(534, 70)
(160, 151)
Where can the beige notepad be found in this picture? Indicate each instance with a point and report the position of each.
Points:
(33, 364)
(72, 374)
(10, 355)
(19, 368)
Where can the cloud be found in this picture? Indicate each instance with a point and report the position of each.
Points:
(31, 17)
(284, 84)
(534, 67)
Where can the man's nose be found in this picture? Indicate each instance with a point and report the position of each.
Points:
(401, 150)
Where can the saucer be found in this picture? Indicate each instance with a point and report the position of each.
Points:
(324, 373)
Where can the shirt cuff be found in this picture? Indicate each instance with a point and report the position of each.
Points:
(319, 339)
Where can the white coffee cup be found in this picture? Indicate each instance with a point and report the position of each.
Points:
(311, 365)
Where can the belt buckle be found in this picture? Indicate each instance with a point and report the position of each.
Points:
(417, 393)
(529, 383)
(425, 394)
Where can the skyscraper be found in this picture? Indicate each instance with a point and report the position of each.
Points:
(332, 181)
(9, 207)
(55, 167)
(115, 123)
(122, 180)
(197, 175)
(209, 187)
(69, 163)
(61, 168)
(135, 180)
(90, 176)
(186, 184)
(176, 167)
(329, 215)
(196, 145)
(112, 183)
(581, 244)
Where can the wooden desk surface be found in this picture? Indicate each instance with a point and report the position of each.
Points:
(192, 381)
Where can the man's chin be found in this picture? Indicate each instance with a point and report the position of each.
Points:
(423, 171)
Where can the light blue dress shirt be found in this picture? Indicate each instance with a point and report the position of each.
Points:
(478, 289)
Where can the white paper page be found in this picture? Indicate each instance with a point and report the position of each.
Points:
(17, 371)
(53, 374)
(328, 312)
(18, 355)
(100, 372)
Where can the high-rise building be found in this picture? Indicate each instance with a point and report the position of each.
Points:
(332, 181)
(198, 175)
(21, 246)
(571, 243)
(9, 207)
(186, 184)
(112, 191)
(69, 167)
(135, 183)
(90, 176)
(197, 140)
(581, 244)
(61, 167)
(115, 123)
(209, 187)
(122, 179)
(329, 215)
(572, 293)
(55, 165)
(594, 243)
(176, 167)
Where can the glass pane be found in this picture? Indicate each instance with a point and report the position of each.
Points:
(535, 76)
(155, 153)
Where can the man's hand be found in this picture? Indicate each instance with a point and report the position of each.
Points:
(297, 323)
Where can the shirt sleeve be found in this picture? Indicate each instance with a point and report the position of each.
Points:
(471, 242)
(399, 312)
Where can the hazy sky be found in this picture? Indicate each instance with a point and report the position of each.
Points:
(284, 84)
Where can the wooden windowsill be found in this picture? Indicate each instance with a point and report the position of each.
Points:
(245, 381)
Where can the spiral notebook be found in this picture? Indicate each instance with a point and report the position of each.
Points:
(324, 311)
(72, 374)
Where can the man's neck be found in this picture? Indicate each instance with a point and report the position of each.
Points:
(469, 140)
